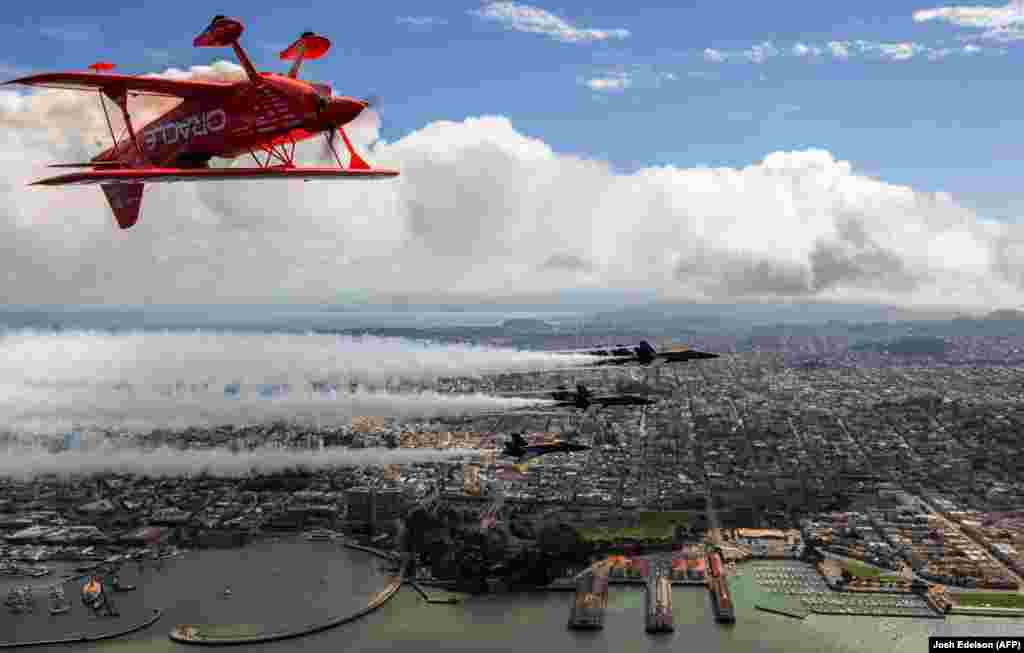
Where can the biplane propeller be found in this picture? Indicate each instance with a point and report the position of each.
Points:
(264, 116)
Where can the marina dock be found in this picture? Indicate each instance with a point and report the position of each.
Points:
(658, 612)
(718, 588)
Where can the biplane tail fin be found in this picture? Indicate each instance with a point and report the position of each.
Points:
(125, 201)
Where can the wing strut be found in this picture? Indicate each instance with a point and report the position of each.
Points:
(330, 144)
(300, 54)
(104, 66)
(106, 114)
(356, 162)
(243, 59)
(120, 98)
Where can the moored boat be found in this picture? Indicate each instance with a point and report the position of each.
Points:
(59, 603)
(92, 594)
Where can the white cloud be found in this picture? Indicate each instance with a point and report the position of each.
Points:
(612, 83)
(635, 76)
(899, 51)
(760, 52)
(757, 53)
(527, 18)
(804, 50)
(976, 16)
(839, 49)
(420, 21)
(1004, 23)
(714, 56)
(482, 209)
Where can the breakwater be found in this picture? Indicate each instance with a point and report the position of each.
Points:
(783, 611)
(212, 635)
(870, 613)
(387, 555)
(986, 612)
(449, 600)
(77, 639)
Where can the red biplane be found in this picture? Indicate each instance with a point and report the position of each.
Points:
(264, 116)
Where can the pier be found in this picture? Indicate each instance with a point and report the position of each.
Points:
(587, 612)
(658, 613)
(721, 602)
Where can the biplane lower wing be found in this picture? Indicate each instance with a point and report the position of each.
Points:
(169, 175)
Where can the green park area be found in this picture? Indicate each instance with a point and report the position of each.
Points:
(988, 599)
(643, 533)
(663, 519)
(651, 526)
(860, 570)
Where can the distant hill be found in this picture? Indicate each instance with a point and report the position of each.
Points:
(907, 346)
(1006, 314)
(529, 325)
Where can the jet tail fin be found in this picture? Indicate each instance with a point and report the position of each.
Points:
(125, 201)
(645, 352)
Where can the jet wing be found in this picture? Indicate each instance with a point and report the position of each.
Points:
(116, 84)
(169, 175)
(534, 452)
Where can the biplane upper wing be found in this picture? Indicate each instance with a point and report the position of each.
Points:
(168, 175)
(117, 84)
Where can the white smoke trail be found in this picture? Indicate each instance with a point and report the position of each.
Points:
(147, 358)
(49, 411)
(25, 463)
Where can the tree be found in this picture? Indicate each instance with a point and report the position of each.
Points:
(561, 541)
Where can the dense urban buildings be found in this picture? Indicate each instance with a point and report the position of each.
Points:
(914, 470)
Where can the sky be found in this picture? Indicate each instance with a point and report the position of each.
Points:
(708, 150)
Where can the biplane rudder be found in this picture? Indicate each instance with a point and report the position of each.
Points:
(125, 201)
(124, 198)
